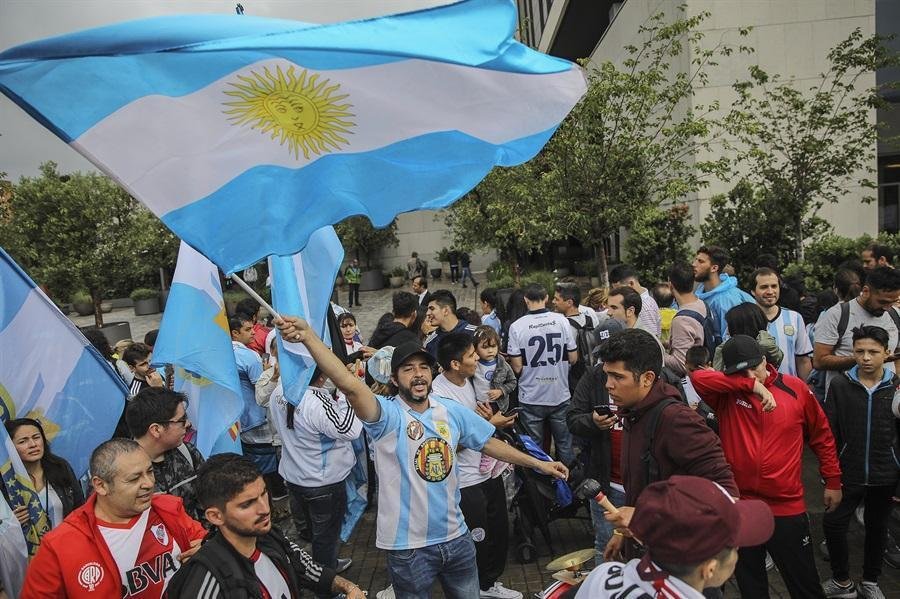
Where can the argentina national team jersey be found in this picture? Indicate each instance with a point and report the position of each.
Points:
(789, 331)
(415, 459)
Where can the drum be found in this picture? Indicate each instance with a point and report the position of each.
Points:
(559, 589)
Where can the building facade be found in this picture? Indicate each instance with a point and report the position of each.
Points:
(791, 38)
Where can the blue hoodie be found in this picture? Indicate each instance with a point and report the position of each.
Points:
(723, 298)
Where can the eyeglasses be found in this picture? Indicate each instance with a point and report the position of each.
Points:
(182, 421)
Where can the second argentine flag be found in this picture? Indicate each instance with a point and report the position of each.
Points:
(245, 135)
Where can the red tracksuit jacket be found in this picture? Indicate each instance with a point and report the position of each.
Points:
(765, 449)
(76, 543)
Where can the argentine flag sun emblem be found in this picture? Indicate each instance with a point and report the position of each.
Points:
(301, 110)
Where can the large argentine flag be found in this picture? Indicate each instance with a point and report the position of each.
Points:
(245, 134)
(49, 371)
(195, 339)
(301, 286)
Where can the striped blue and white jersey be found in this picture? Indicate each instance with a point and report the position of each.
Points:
(318, 450)
(415, 459)
(789, 331)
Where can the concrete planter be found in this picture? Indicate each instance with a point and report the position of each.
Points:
(106, 307)
(371, 280)
(144, 307)
(83, 308)
(396, 282)
(436, 273)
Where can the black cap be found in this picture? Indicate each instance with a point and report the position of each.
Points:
(740, 353)
(407, 350)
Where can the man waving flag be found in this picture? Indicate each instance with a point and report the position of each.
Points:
(223, 124)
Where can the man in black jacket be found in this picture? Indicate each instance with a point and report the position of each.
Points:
(395, 328)
(245, 557)
(860, 407)
(593, 417)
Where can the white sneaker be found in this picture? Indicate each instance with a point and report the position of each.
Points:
(501, 592)
(387, 593)
(870, 590)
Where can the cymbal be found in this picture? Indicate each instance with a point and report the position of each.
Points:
(571, 560)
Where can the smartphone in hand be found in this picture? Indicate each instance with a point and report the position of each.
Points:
(512, 411)
(603, 411)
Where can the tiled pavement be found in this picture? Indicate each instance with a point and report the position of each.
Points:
(369, 568)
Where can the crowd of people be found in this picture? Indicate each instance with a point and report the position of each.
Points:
(690, 401)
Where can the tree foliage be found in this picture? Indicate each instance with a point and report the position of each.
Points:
(807, 147)
(631, 142)
(509, 210)
(824, 255)
(82, 231)
(749, 221)
(359, 236)
(658, 239)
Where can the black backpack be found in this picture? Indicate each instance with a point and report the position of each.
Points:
(712, 336)
(585, 340)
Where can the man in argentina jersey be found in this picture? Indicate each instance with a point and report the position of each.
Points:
(541, 349)
(785, 325)
(317, 456)
(415, 436)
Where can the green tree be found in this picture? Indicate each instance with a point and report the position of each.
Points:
(630, 143)
(358, 235)
(509, 210)
(807, 147)
(82, 231)
(658, 239)
(749, 221)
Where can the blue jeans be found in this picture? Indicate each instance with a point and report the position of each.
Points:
(532, 418)
(413, 571)
(603, 530)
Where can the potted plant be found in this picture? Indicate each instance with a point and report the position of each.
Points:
(398, 275)
(82, 303)
(146, 301)
(443, 257)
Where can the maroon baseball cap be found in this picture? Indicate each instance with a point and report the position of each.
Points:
(687, 519)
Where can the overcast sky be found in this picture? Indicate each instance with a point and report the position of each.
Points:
(24, 144)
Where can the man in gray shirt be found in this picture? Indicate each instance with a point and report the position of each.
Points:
(874, 306)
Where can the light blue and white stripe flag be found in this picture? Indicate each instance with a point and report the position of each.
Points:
(49, 371)
(195, 339)
(302, 286)
(245, 135)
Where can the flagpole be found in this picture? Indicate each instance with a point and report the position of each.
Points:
(254, 295)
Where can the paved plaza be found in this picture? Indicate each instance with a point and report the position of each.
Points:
(369, 568)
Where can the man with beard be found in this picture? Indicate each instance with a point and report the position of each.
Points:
(415, 436)
(246, 557)
(786, 326)
(717, 288)
(833, 351)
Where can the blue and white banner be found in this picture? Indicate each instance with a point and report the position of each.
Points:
(302, 286)
(195, 339)
(49, 371)
(245, 135)
(357, 489)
